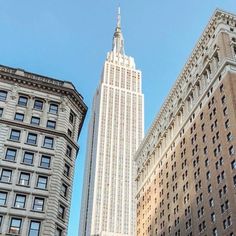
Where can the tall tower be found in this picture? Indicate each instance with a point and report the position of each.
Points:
(115, 131)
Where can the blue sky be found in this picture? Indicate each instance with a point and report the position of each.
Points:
(69, 39)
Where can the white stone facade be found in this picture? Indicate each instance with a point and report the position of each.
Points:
(115, 131)
(40, 121)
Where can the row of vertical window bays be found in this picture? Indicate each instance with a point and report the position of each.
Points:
(203, 126)
(39, 104)
(25, 178)
(229, 136)
(15, 224)
(196, 173)
(32, 138)
(202, 227)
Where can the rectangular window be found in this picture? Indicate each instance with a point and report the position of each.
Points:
(6, 175)
(15, 226)
(48, 142)
(24, 178)
(19, 117)
(71, 117)
(64, 190)
(3, 95)
(1, 220)
(34, 228)
(10, 154)
(20, 201)
(51, 124)
(45, 161)
(35, 120)
(61, 211)
(42, 182)
(1, 111)
(38, 204)
(58, 232)
(28, 158)
(53, 108)
(67, 170)
(22, 101)
(15, 135)
(38, 104)
(32, 138)
(3, 198)
(68, 151)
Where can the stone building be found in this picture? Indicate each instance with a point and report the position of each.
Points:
(40, 122)
(115, 131)
(187, 162)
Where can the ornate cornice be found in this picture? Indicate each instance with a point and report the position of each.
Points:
(31, 80)
(185, 83)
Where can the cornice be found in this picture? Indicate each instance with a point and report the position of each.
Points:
(38, 82)
(180, 90)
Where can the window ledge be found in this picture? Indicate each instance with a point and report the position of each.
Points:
(31, 144)
(25, 186)
(18, 208)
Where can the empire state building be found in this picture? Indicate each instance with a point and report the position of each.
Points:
(116, 129)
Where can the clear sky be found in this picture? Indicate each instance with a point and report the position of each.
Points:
(69, 39)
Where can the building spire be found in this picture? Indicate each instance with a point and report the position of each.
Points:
(118, 41)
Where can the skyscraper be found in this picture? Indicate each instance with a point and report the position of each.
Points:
(40, 122)
(115, 131)
(187, 162)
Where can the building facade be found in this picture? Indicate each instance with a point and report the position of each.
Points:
(40, 122)
(115, 131)
(187, 162)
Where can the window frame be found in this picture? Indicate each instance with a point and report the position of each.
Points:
(21, 180)
(17, 228)
(47, 144)
(52, 110)
(20, 202)
(30, 140)
(22, 103)
(3, 95)
(40, 183)
(35, 123)
(17, 115)
(12, 157)
(34, 230)
(37, 106)
(14, 137)
(10, 176)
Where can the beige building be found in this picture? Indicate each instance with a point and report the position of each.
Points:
(40, 122)
(187, 162)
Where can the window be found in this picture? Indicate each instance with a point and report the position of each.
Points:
(68, 151)
(1, 219)
(3, 95)
(45, 161)
(38, 104)
(229, 136)
(214, 232)
(19, 117)
(15, 226)
(213, 217)
(28, 158)
(48, 142)
(32, 138)
(22, 101)
(64, 190)
(1, 112)
(53, 108)
(234, 180)
(24, 179)
(233, 164)
(58, 232)
(35, 120)
(61, 211)
(231, 150)
(20, 201)
(66, 170)
(6, 175)
(34, 228)
(38, 204)
(10, 154)
(15, 135)
(69, 132)
(51, 124)
(3, 198)
(42, 182)
(71, 117)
